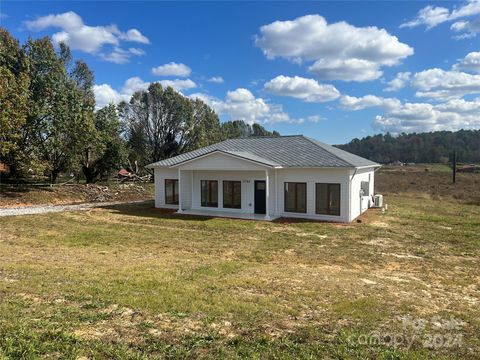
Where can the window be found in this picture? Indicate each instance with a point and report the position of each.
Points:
(232, 194)
(171, 191)
(209, 193)
(327, 199)
(295, 197)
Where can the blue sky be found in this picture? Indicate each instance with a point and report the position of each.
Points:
(331, 70)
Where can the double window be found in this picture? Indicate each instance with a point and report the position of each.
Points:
(232, 194)
(209, 193)
(327, 199)
(171, 191)
(295, 197)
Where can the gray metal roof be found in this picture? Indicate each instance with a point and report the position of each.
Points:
(280, 151)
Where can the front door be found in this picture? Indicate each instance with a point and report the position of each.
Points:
(260, 195)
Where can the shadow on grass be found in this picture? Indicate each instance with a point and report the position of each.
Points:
(147, 209)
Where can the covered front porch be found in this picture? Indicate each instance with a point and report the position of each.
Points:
(228, 193)
(225, 185)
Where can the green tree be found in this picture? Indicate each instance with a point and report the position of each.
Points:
(14, 84)
(161, 123)
(105, 151)
(239, 128)
(60, 119)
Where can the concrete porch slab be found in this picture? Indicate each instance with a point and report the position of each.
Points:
(226, 214)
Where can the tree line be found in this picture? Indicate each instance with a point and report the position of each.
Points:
(432, 147)
(49, 125)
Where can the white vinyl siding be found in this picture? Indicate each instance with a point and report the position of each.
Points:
(351, 203)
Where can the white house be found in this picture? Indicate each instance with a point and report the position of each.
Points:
(267, 178)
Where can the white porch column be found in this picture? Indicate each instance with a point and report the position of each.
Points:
(179, 193)
(267, 195)
(191, 197)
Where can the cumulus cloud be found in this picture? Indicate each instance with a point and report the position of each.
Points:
(308, 90)
(471, 62)
(431, 16)
(216, 79)
(241, 104)
(442, 84)
(105, 94)
(135, 36)
(353, 103)
(179, 84)
(172, 69)
(466, 29)
(399, 82)
(339, 51)
(121, 56)
(452, 115)
(90, 39)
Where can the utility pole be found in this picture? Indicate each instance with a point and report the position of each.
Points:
(454, 165)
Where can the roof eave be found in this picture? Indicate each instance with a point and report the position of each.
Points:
(273, 166)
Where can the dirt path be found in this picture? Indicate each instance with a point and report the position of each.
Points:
(42, 209)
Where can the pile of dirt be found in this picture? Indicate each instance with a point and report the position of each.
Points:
(74, 194)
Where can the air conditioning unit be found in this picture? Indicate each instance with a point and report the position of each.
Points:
(378, 201)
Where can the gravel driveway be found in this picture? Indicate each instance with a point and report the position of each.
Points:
(42, 209)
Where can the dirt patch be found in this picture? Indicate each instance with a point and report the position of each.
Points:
(23, 195)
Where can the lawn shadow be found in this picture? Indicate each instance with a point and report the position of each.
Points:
(147, 209)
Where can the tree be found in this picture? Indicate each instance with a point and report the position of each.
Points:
(14, 83)
(60, 117)
(239, 128)
(105, 151)
(425, 147)
(161, 123)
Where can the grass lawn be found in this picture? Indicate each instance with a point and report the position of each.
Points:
(135, 282)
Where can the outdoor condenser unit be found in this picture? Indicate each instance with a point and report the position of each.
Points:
(378, 201)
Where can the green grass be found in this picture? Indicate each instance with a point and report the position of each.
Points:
(133, 282)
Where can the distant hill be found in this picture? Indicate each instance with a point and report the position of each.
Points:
(432, 147)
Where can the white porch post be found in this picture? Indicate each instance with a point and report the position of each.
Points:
(179, 193)
(267, 195)
(191, 196)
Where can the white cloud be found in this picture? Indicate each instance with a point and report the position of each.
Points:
(359, 103)
(346, 70)
(420, 117)
(105, 94)
(135, 36)
(339, 51)
(133, 85)
(441, 84)
(179, 84)
(3, 15)
(89, 39)
(308, 90)
(172, 69)
(121, 56)
(431, 16)
(471, 62)
(136, 51)
(216, 79)
(241, 104)
(399, 82)
(466, 28)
